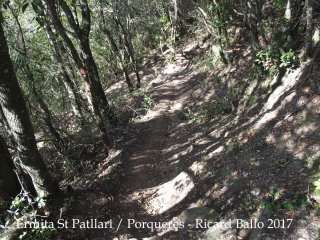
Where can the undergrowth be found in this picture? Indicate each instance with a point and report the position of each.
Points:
(211, 110)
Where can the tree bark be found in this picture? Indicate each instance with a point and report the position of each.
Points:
(16, 113)
(9, 184)
(307, 49)
(127, 42)
(251, 21)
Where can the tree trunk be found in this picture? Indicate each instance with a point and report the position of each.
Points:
(307, 49)
(116, 52)
(5, 123)
(251, 22)
(64, 76)
(127, 42)
(86, 66)
(293, 17)
(15, 111)
(9, 184)
(99, 100)
(46, 114)
(100, 108)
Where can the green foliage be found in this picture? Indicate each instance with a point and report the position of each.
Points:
(164, 36)
(233, 148)
(311, 161)
(24, 208)
(250, 203)
(279, 5)
(193, 116)
(281, 161)
(316, 184)
(146, 103)
(270, 59)
(38, 234)
(267, 58)
(165, 23)
(170, 59)
(210, 111)
(190, 114)
(288, 59)
(217, 107)
(275, 199)
(220, 17)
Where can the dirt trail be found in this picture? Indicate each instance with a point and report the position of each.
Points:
(145, 166)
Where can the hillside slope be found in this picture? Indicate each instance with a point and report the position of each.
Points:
(215, 146)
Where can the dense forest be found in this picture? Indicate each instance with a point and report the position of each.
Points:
(181, 119)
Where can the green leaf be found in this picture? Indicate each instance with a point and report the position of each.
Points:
(289, 206)
(39, 21)
(24, 7)
(34, 6)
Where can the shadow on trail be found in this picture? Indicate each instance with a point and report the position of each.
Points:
(226, 163)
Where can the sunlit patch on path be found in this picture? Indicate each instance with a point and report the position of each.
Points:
(167, 195)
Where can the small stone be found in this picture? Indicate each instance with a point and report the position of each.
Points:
(190, 215)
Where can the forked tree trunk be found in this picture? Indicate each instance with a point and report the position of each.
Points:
(100, 107)
(16, 113)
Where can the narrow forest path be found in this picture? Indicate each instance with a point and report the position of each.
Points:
(146, 169)
(153, 182)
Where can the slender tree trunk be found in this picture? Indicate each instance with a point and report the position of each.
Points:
(307, 50)
(127, 42)
(64, 76)
(15, 111)
(294, 23)
(46, 114)
(218, 13)
(251, 22)
(259, 5)
(116, 52)
(100, 107)
(99, 100)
